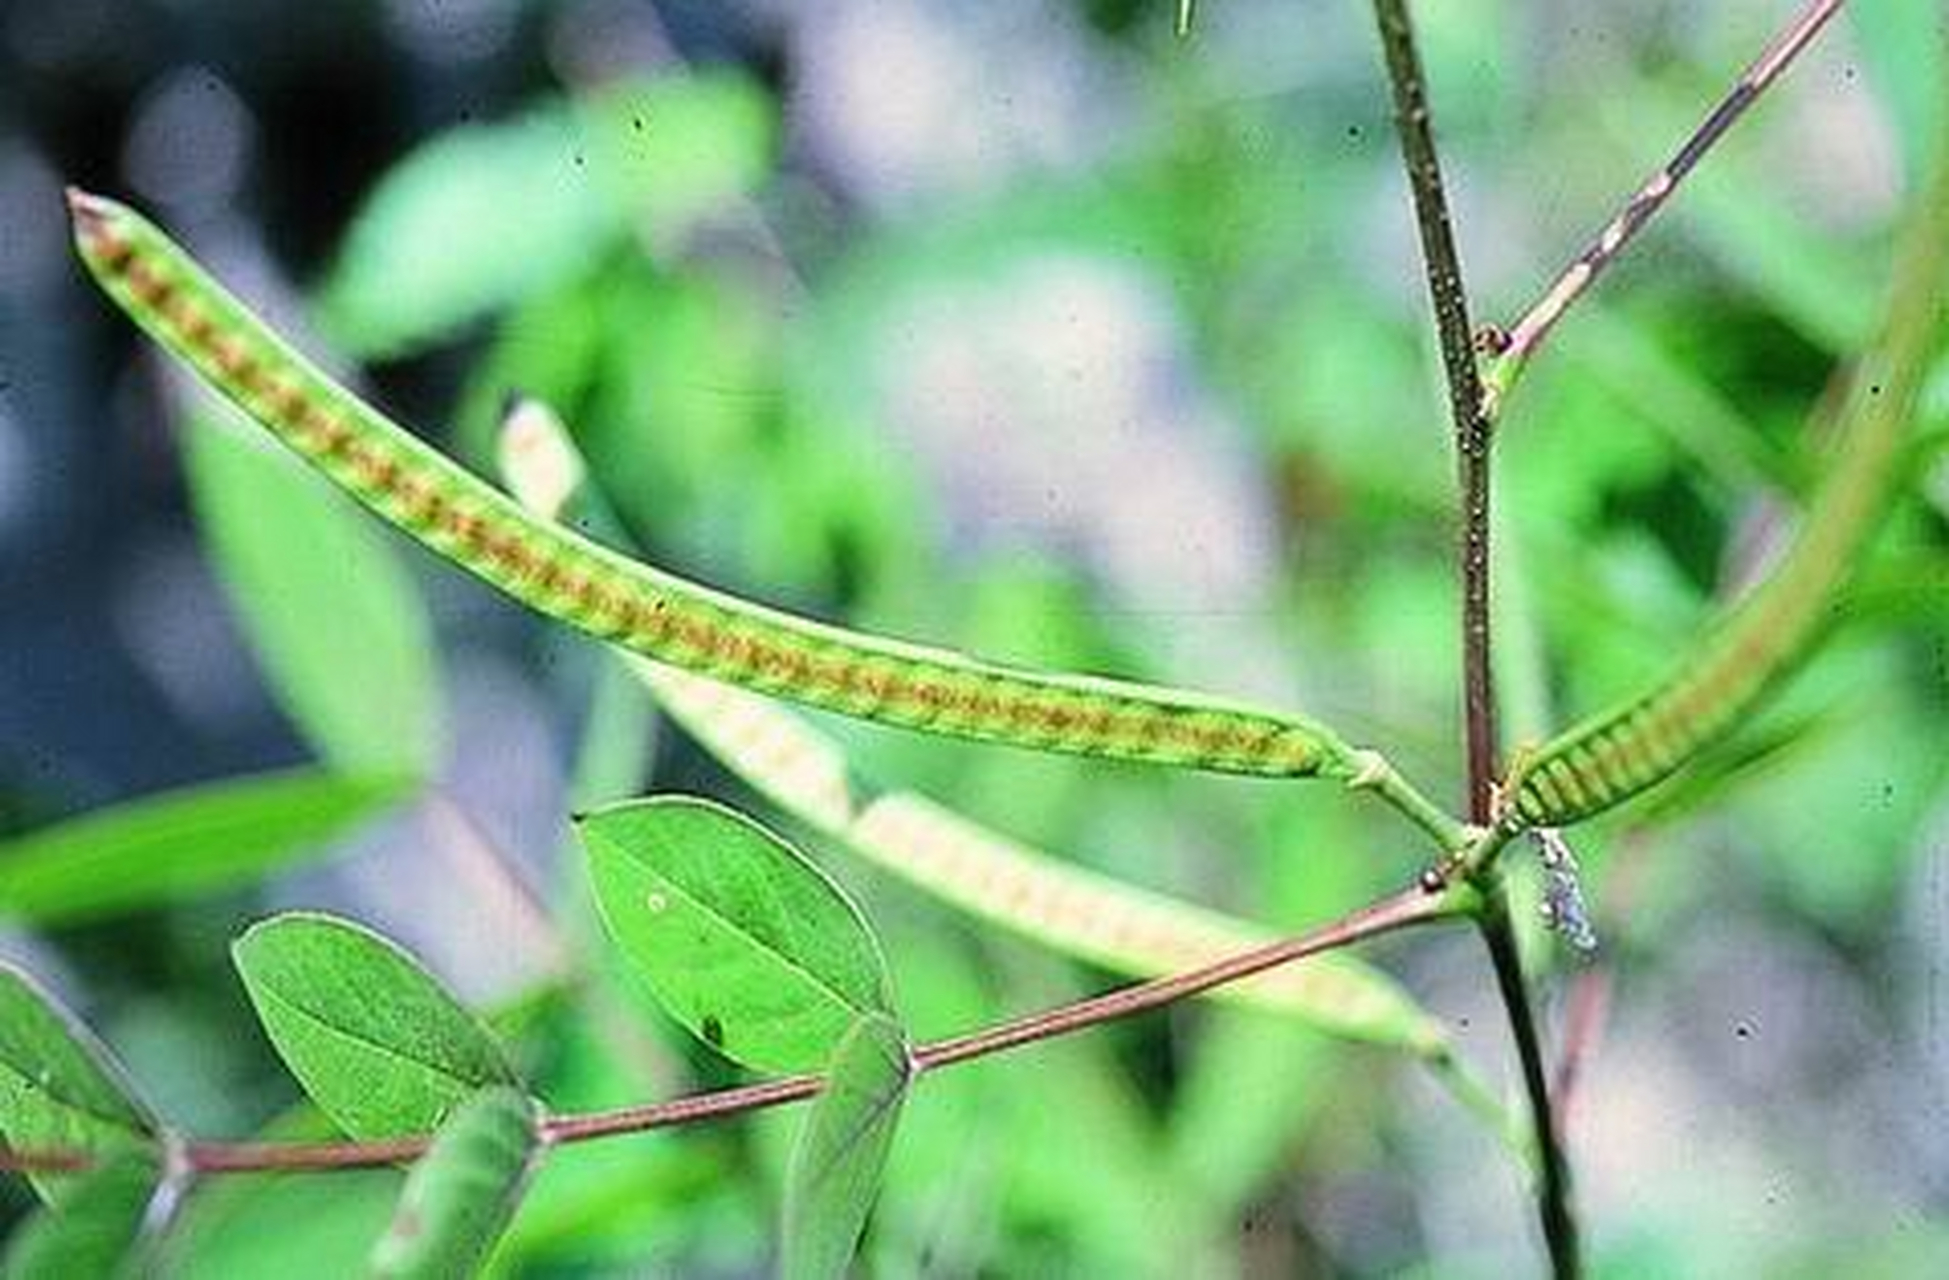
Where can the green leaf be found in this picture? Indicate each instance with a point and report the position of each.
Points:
(60, 1089)
(842, 1150)
(485, 215)
(333, 618)
(462, 1193)
(739, 936)
(177, 845)
(376, 1042)
(1187, 14)
(95, 1229)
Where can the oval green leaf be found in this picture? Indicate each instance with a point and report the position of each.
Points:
(462, 1193)
(375, 1040)
(842, 1150)
(95, 1229)
(741, 938)
(60, 1089)
(305, 571)
(177, 845)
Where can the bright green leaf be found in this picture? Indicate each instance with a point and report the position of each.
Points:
(164, 848)
(459, 1197)
(742, 939)
(60, 1090)
(842, 1150)
(330, 613)
(376, 1042)
(95, 1229)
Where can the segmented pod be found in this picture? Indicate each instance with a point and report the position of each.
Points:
(1614, 756)
(642, 608)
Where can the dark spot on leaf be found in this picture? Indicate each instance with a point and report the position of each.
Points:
(712, 1031)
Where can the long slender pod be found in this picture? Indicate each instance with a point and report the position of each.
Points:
(1643, 740)
(644, 609)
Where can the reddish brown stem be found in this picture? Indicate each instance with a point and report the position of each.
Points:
(1528, 333)
(1410, 906)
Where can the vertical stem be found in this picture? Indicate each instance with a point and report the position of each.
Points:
(1553, 1192)
(1472, 424)
(1444, 276)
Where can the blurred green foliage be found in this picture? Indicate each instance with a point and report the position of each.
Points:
(600, 249)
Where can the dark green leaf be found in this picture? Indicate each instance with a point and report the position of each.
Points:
(842, 1150)
(463, 1191)
(378, 1044)
(60, 1090)
(179, 844)
(330, 613)
(93, 1232)
(741, 938)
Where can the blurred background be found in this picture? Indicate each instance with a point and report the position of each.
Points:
(1022, 327)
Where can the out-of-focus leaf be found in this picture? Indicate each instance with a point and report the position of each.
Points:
(842, 1150)
(1816, 284)
(1634, 365)
(93, 1232)
(1250, 1089)
(462, 1192)
(1901, 41)
(164, 848)
(332, 616)
(376, 1042)
(743, 940)
(485, 215)
(281, 1226)
(60, 1090)
(311, 1226)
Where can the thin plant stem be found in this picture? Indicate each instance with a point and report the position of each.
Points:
(1553, 1168)
(1528, 333)
(1411, 906)
(1465, 402)
(1472, 423)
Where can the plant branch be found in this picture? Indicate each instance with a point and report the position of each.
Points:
(1465, 401)
(1529, 332)
(1411, 906)
(1553, 1191)
(1472, 422)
